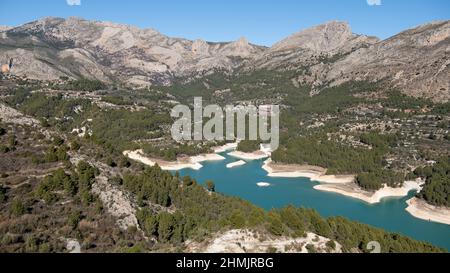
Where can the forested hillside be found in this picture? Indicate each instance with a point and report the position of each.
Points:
(437, 186)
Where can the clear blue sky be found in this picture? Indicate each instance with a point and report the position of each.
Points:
(261, 21)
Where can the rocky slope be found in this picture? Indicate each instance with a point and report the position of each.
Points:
(54, 47)
(248, 241)
(4, 28)
(417, 60)
(312, 46)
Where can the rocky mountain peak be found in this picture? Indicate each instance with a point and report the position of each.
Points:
(241, 48)
(416, 60)
(322, 38)
(5, 28)
(200, 47)
(243, 42)
(110, 52)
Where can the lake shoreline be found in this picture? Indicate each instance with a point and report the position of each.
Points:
(422, 210)
(354, 191)
(225, 148)
(257, 155)
(345, 185)
(314, 173)
(192, 162)
(340, 184)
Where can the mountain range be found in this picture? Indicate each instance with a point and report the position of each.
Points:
(416, 61)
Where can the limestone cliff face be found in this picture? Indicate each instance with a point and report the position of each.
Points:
(311, 46)
(52, 47)
(330, 38)
(417, 60)
(4, 28)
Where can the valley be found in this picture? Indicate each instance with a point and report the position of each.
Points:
(85, 140)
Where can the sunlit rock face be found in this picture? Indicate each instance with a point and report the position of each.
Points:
(52, 47)
(417, 60)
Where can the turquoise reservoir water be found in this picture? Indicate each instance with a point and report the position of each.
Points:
(390, 214)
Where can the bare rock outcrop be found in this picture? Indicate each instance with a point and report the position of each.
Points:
(416, 61)
(330, 38)
(4, 28)
(249, 241)
(54, 47)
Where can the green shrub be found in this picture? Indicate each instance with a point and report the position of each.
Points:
(17, 208)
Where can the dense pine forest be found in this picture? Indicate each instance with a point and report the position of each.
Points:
(437, 186)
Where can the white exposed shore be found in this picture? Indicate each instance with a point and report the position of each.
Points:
(422, 210)
(206, 157)
(249, 156)
(236, 164)
(184, 163)
(312, 172)
(340, 184)
(225, 148)
(345, 185)
(354, 191)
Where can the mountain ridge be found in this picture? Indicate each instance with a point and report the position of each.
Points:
(416, 60)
